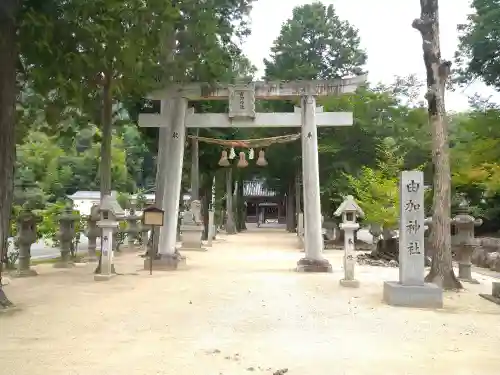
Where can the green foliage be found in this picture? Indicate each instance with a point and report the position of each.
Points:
(124, 201)
(49, 225)
(377, 189)
(47, 172)
(479, 43)
(475, 155)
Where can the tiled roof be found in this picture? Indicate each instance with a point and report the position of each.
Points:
(255, 188)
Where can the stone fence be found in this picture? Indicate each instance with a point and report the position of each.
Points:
(487, 253)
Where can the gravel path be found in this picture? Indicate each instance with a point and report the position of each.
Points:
(239, 309)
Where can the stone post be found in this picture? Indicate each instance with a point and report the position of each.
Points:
(411, 290)
(26, 236)
(349, 211)
(211, 227)
(313, 260)
(168, 256)
(464, 239)
(66, 234)
(230, 224)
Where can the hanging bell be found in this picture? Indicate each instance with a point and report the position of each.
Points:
(232, 154)
(261, 161)
(251, 154)
(242, 163)
(223, 162)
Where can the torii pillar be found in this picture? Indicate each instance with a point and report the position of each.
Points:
(313, 236)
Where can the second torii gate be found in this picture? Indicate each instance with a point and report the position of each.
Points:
(174, 117)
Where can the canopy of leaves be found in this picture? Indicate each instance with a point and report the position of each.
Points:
(479, 43)
(315, 44)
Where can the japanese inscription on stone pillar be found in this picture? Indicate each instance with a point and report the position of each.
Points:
(241, 101)
(411, 228)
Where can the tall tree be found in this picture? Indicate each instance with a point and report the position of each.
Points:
(315, 44)
(9, 11)
(479, 43)
(438, 71)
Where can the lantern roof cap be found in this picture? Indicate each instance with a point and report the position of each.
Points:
(349, 205)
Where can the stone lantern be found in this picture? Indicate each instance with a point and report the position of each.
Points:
(26, 236)
(110, 212)
(192, 228)
(66, 235)
(464, 241)
(92, 232)
(133, 228)
(349, 212)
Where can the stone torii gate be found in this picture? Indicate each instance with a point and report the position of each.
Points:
(174, 117)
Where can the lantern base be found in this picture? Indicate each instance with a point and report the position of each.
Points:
(166, 262)
(313, 265)
(349, 283)
(102, 277)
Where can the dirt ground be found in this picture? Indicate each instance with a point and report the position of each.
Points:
(239, 309)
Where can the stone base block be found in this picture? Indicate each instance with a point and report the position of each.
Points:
(193, 249)
(427, 295)
(64, 265)
(312, 265)
(349, 283)
(101, 277)
(25, 273)
(166, 263)
(495, 293)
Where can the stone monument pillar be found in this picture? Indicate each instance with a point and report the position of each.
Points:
(464, 240)
(26, 236)
(313, 260)
(349, 211)
(411, 290)
(192, 228)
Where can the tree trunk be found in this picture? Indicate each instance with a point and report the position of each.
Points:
(230, 225)
(241, 209)
(107, 129)
(106, 138)
(438, 70)
(8, 93)
(290, 207)
(205, 202)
